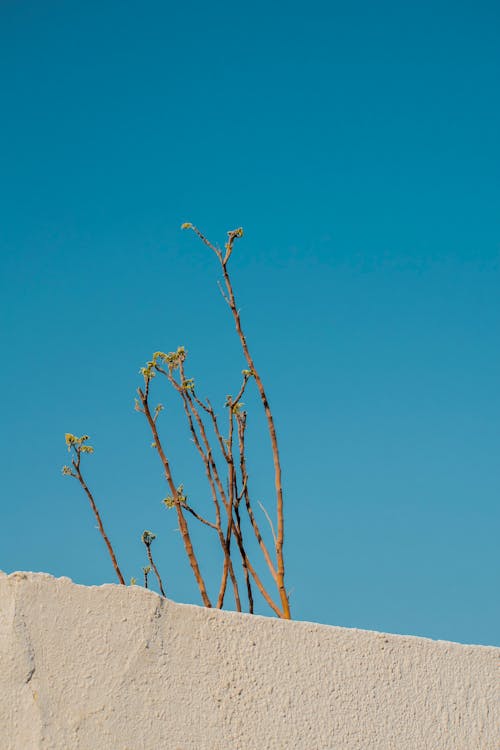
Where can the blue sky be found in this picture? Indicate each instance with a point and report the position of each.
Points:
(358, 147)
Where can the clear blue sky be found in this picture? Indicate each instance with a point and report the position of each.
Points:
(357, 144)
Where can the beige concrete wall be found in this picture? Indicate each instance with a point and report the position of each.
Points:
(114, 668)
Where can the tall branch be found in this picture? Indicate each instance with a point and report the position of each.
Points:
(274, 443)
(230, 299)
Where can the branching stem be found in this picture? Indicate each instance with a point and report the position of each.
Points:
(186, 538)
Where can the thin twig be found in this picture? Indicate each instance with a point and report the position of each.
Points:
(269, 521)
(198, 517)
(148, 539)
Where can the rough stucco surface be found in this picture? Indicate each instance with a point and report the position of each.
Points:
(109, 667)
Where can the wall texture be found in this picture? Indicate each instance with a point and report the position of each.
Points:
(115, 668)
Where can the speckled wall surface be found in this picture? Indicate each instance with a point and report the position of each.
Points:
(115, 668)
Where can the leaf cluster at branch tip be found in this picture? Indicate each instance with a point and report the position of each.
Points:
(78, 443)
(148, 537)
(170, 501)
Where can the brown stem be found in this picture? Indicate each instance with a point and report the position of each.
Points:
(230, 463)
(83, 483)
(186, 538)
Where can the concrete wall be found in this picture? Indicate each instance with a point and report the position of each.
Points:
(115, 668)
